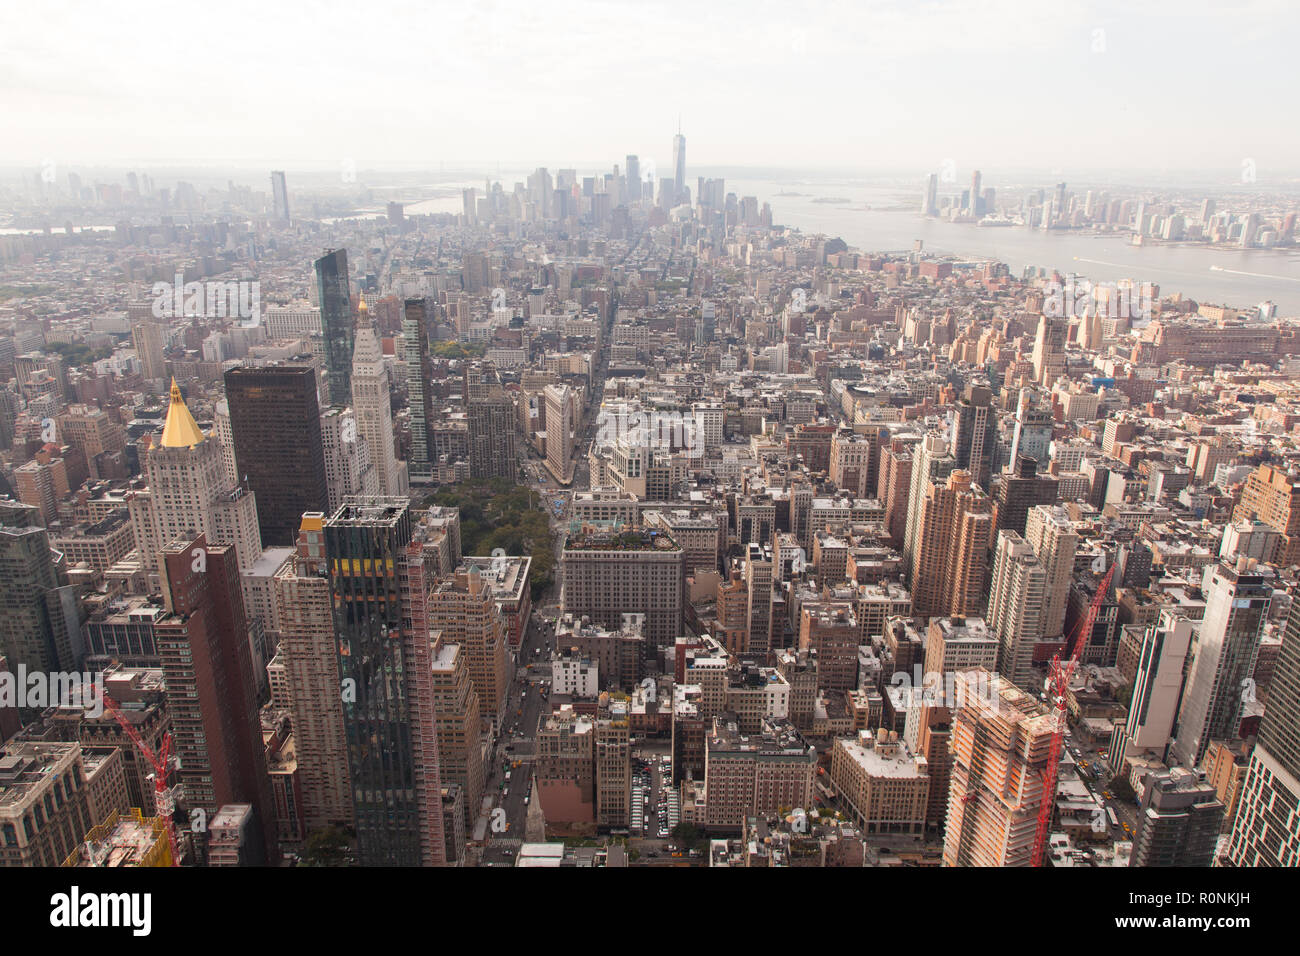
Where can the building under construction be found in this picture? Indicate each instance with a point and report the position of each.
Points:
(1001, 743)
(124, 839)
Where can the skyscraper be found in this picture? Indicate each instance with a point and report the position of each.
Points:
(561, 423)
(415, 341)
(373, 408)
(1016, 607)
(1019, 491)
(212, 698)
(492, 435)
(275, 419)
(1223, 657)
(335, 299)
(280, 195)
(1051, 534)
(679, 165)
(633, 174)
(1049, 350)
(390, 728)
(1178, 822)
(1000, 746)
(312, 671)
(1264, 832)
(34, 625)
(464, 610)
(931, 461)
(189, 493)
(975, 434)
(954, 531)
(930, 199)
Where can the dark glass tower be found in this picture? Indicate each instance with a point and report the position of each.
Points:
(336, 323)
(394, 775)
(415, 333)
(275, 420)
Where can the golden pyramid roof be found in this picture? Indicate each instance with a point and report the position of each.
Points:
(181, 431)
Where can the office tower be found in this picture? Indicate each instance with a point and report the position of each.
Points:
(1272, 496)
(975, 434)
(1016, 607)
(1157, 690)
(1032, 437)
(893, 485)
(954, 532)
(607, 574)
(1019, 491)
(419, 376)
(562, 413)
(212, 701)
(492, 435)
(1000, 744)
(335, 298)
(1178, 821)
(931, 461)
(280, 196)
(464, 609)
(1051, 534)
(633, 174)
(348, 471)
(1237, 599)
(679, 166)
(386, 676)
(1264, 832)
(275, 419)
(189, 493)
(373, 408)
(39, 629)
(612, 753)
(455, 701)
(1049, 350)
(930, 198)
(760, 628)
(148, 337)
(312, 671)
(975, 202)
(755, 774)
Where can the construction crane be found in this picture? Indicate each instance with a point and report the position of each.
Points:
(1057, 685)
(162, 762)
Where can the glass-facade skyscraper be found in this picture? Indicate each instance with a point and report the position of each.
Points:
(336, 323)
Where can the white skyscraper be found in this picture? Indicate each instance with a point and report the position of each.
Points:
(374, 413)
(1016, 607)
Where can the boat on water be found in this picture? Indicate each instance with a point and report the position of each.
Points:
(831, 199)
(1136, 240)
(995, 221)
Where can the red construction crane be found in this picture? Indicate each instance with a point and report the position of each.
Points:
(163, 761)
(1057, 685)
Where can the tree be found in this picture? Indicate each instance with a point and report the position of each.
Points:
(329, 846)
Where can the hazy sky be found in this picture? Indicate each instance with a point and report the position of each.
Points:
(1138, 84)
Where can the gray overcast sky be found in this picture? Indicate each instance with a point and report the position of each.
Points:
(1139, 84)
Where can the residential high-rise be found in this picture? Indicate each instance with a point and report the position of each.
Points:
(1020, 490)
(1272, 496)
(36, 629)
(1157, 689)
(1179, 820)
(931, 461)
(1264, 832)
(335, 298)
(1049, 350)
(460, 732)
(419, 374)
(1001, 738)
(373, 408)
(275, 419)
(1223, 657)
(385, 671)
(954, 532)
(975, 434)
(1051, 534)
(148, 337)
(311, 663)
(1016, 607)
(492, 435)
(212, 698)
(463, 608)
(279, 196)
(189, 493)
